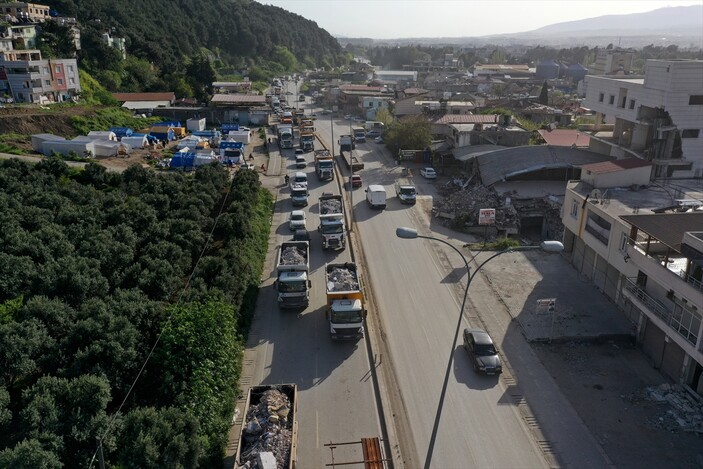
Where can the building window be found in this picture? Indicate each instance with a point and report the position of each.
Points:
(690, 133)
(623, 243)
(574, 208)
(696, 99)
(57, 69)
(70, 68)
(632, 104)
(598, 227)
(45, 70)
(71, 81)
(611, 99)
(601, 97)
(47, 82)
(686, 323)
(60, 81)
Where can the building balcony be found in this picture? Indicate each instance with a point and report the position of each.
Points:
(667, 268)
(682, 321)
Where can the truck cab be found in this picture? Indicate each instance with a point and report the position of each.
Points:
(406, 192)
(299, 194)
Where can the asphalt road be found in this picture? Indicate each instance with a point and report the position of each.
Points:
(336, 398)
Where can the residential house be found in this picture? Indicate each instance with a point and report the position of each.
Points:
(350, 97)
(541, 114)
(657, 117)
(612, 62)
(244, 109)
(462, 130)
(23, 36)
(231, 86)
(145, 102)
(28, 78)
(26, 11)
(642, 245)
(372, 104)
(116, 43)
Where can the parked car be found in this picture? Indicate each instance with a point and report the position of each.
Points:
(482, 352)
(355, 181)
(327, 111)
(296, 221)
(378, 139)
(299, 152)
(428, 173)
(373, 133)
(348, 117)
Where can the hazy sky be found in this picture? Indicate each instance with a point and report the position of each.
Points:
(390, 19)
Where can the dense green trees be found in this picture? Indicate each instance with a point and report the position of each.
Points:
(92, 270)
(173, 45)
(409, 133)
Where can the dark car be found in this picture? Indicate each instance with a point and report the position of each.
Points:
(355, 181)
(482, 352)
(301, 235)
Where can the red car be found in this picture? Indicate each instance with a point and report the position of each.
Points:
(355, 181)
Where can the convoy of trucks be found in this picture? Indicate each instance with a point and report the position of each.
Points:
(269, 434)
(345, 301)
(331, 208)
(324, 165)
(405, 191)
(293, 268)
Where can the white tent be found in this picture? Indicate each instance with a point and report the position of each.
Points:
(39, 139)
(108, 148)
(136, 142)
(103, 135)
(64, 147)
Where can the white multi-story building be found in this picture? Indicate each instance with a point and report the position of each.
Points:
(641, 244)
(657, 117)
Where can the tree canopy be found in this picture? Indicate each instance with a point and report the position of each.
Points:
(92, 267)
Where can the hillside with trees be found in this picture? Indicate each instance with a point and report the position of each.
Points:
(101, 273)
(182, 45)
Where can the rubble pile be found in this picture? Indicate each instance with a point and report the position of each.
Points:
(330, 206)
(339, 279)
(292, 255)
(549, 207)
(685, 412)
(465, 204)
(267, 429)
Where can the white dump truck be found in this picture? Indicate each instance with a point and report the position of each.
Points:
(345, 301)
(293, 269)
(331, 228)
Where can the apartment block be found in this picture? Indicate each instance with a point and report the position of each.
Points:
(641, 244)
(28, 78)
(657, 117)
(26, 11)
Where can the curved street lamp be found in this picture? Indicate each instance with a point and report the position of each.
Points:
(410, 233)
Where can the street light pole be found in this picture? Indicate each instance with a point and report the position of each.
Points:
(409, 233)
(351, 177)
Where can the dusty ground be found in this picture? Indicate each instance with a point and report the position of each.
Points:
(605, 383)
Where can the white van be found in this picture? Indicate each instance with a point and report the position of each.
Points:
(300, 178)
(376, 196)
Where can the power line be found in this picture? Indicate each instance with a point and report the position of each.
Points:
(168, 321)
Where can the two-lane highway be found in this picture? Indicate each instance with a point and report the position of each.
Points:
(418, 303)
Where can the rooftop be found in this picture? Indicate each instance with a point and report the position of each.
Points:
(468, 119)
(615, 165)
(565, 137)
(239, 98)
(165, 96)
(668, 228)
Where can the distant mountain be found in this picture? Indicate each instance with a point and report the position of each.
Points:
(682, 26)
(672, 20)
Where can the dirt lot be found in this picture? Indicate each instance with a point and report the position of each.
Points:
(607, 385)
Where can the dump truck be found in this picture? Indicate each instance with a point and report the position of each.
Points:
(269, 434)
(345, 301)
(285, 135)
(307, 140)
(324, 165)
(331, 208)
(346, 143)
(293, 268)
(405, 191)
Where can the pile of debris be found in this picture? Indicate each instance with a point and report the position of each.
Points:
(685, 411)
(463, 205)
(292, 255)
(267, 429)
(330, 206)
(340, 279)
